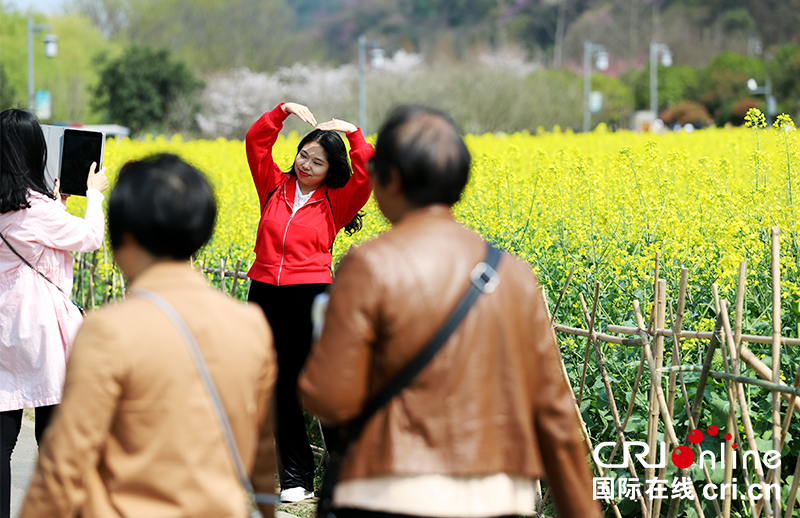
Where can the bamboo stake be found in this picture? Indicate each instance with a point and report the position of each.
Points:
(612, 404)
(677, 325)
(90, 269)
(561, 296)
(763, 371)
(715, 294)
(122, 284)
(701, 383)
(631, 404)
(588, 339)
(735, 367)
(738, 394)
(113, 285)
(737, 336)
(659, 322)
(731, 421)
(728, 474)
(656, 271)
(669, 430)
(107, 281)
(776, 352)
(79, 291)
(581, 422)
(603, 337)
(652, 408)
(698, 400)
(793, 490)
(695, 419)
(222, 262)
(782, 388)
(675, 504)
(700, 335)
(748, 427)
(236, 277)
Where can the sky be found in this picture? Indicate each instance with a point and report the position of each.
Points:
(43, 6)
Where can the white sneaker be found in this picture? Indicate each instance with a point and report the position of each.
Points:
(295, 494)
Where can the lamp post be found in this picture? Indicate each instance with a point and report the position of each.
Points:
(590, 49)
(50, 50)
(766, 91)
(666, 60)
(376, 55)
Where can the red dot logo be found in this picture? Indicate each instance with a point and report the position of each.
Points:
(713, 430)
(683, 456)
(728, 437)
(734, 446)
(695, 436)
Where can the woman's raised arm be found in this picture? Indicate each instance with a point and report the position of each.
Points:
(351, 198)
(261, 138)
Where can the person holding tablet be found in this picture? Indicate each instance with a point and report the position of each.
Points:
(38, 321)
(302, 210)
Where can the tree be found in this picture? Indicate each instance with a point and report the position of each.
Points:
(142, 88)
(725, 82)
(7, 93)
(784, 71)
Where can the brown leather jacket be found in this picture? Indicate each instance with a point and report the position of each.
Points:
(491, 401)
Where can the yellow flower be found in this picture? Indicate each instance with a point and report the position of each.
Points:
(755, 119)
(784, 122)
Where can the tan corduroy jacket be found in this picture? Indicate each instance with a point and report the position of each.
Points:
(136, 433)
(491, 401)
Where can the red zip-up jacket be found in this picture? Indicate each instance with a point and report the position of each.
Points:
(296, 249)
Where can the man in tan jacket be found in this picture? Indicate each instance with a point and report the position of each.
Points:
(490, 413)
(137, 433)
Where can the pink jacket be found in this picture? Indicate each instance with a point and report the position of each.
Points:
(37, 322)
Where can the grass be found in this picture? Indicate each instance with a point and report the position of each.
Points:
(305, 509)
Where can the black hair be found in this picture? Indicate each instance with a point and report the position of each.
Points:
(426, 149)
(338, 166)
(166, 204)
(23, 158)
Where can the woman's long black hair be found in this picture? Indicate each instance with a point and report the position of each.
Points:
(23, 157)
(338, 166)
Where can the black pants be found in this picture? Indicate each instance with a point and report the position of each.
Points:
(288, 310)
(10, 425)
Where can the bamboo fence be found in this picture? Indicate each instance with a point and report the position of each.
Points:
(731, 344)
(650, 338)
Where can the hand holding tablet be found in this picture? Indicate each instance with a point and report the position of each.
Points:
(73, 156)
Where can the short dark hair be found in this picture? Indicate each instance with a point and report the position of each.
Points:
(338, 166)
(428, 152)
(23, 158)
(166, 204)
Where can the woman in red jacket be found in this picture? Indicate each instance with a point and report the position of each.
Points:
(302, 210)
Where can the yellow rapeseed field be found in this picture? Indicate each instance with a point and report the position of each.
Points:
(604, 202)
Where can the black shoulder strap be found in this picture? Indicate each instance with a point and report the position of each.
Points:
(484, 280)
(269, 195)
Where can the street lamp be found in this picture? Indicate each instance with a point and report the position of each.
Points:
(666, 60)
(766, 91)
(376, 55)
(50, 50)
(601, 62)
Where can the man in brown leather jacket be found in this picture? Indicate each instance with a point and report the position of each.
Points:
(490, 413)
